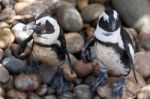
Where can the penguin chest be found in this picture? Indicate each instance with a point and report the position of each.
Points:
(46, 55)
(111, 60)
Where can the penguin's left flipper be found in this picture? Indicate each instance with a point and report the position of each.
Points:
(129, 50)
(88, 51)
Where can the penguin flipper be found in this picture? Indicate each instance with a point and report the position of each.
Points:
(88, 51)
(129, 50)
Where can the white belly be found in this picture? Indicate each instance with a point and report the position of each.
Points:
(110, 59)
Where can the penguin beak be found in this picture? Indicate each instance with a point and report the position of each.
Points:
(30, 26)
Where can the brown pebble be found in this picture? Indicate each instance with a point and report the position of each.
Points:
(82, 69)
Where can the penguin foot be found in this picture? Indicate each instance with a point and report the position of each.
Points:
(100, 80)
(118, 88)
(59, 84)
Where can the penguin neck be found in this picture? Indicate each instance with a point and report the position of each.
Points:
(109, 37)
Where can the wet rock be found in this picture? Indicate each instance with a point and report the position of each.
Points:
(78, 81)
(99, 1)
(19, 33)
(33, 96)
(14, 65)
(97, 97)
(29, 1)
(46, 73)
(144, 41)
(10, 84)
(88, 80)
(50, 97)
(42, 90)
(67, 96)
(2, 92)
(142, 63)
(148, 80)
(66, 12)
(74, 42)
(4, 74)
(7, 14)
(81, 4)
(50, 91)
(4, 25)
(89, 32)
(140, 79)
(14, 94)
(68, 73)
(1, 54)
(27, 82)
(20, 6)
(132, 14)
(144, 93)
(35, 9)
(83, 92)
(6, 38)
(82, 69)
(92, 12)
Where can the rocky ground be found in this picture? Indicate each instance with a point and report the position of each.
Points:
(78, 20)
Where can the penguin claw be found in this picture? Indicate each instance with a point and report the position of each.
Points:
(118, 89)
(100, 80)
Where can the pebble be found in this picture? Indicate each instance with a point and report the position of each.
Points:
(142, 63)
(29, 1)
(1, 54)
(2, 92)
(14, 94)
(36, 8)
(88, 80)
(6, 38)
(144, 41)
(97, 97)
(132, 14)
(92, 12)
(46, 73)
(27, 82)
(14, 65)
(82, 69)
(74, 42)
(78, 81)
(20, 6)
(50, 91)
(81, 4)
(8, 12)
(144, 93)
(4, 25)
(33, 96)
(69, 18)
(42, 90)
(50, 97)
(99, 1)
(68, 73)
(4, 74)
(83, 92)
(19, 33)
(67, 95)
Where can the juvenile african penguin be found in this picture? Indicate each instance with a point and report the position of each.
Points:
(114, 51)
(48, 46)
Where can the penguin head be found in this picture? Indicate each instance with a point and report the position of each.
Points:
(46, 29)
(109, 20)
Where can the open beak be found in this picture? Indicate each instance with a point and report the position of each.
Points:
(30, 26)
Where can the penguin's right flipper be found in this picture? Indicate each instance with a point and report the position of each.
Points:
(88, 51)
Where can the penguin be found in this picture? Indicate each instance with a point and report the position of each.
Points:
(114, 50)
(48, 46)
